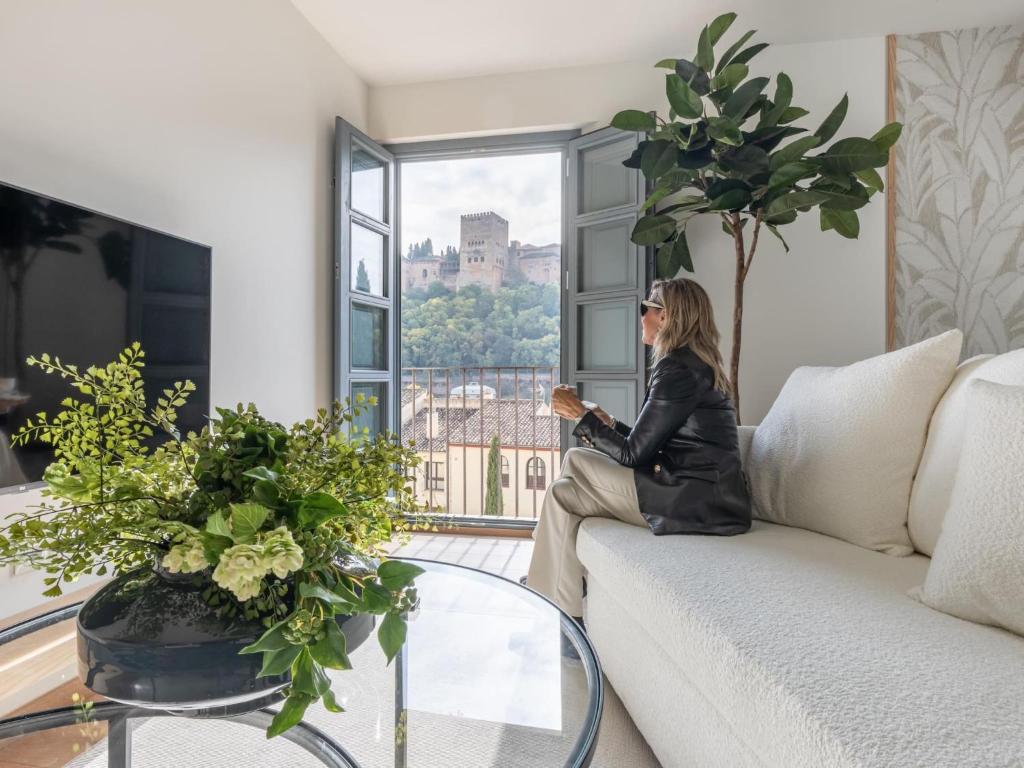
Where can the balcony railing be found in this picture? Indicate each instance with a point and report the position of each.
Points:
(470, 422)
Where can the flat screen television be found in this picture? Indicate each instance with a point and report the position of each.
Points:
(83, 286)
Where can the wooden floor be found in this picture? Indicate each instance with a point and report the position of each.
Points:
(504, 556)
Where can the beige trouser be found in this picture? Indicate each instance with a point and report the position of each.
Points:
(591, 485)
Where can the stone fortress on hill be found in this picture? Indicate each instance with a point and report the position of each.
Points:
(485, 257)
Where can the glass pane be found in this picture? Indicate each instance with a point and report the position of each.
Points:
(607, 258)
(608, 335)
(367, 183)
(369, 337)
(604, 181)
(373, 417)
(367, 260)
(616, 397)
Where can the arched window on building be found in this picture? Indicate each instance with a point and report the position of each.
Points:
(536, 474)
(424, 273)
(504, 472)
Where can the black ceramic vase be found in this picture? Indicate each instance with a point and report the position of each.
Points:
(150, 639)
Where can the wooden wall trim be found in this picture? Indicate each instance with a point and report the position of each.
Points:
(890, 200)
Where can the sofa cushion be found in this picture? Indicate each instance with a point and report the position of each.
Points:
(838, 450)
(933, 485)
(813, 651)
(977, 572)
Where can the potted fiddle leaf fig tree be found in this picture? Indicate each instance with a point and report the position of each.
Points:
(731, 149)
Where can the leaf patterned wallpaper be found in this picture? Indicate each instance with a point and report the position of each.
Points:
(959, 180)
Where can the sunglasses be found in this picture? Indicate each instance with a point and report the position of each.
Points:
(648, 304)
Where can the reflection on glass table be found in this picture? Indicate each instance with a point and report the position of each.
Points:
(483, 681)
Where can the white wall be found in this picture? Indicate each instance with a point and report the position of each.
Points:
(212, 121)
(823, 303)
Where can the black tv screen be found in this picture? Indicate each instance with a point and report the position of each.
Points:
(83, 286)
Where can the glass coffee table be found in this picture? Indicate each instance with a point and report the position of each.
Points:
(492, 675)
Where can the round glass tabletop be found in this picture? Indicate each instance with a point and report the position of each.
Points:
(492, 674)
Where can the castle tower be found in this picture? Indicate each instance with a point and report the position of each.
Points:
(483, 250)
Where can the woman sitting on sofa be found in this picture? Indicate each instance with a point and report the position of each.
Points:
(677, 470)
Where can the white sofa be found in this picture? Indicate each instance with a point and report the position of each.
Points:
(788, 648)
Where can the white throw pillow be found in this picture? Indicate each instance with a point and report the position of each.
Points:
(838, 450)
(977, 572)
(929, 498)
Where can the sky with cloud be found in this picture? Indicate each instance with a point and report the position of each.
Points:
(524, 189)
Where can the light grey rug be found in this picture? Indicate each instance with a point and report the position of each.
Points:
(178, 743)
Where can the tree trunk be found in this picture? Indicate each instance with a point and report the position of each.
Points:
(737, 314)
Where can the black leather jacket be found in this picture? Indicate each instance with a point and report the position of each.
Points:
(684, 451)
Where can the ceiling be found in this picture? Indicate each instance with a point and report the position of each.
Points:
(410, 41)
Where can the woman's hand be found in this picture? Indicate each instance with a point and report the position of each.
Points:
(565, 403)
(599, 412)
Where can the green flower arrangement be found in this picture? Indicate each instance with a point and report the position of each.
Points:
(266, 517)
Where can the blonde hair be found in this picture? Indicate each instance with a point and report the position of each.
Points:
(689, 321)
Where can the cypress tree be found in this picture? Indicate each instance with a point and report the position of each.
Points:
(493, 501)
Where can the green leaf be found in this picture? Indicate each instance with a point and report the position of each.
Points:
(696, 159)
(845, 223)
(262, 473)
(656, 196)
(266, 493)
(666, 64)
(308, 676)
(887, 136)
(391, 635)
(396, 575)
(315, 591)
(730, 201)
(743, 98)
(218, 526)
(793, 201)
(747, 159)
(271, 640)
(330, 703)
(793, 151)
(720, 187)
(705, 58)
(783, 97)
(730, 77)
(659, 158)
(775, 231)
(835, 119)
(673, 256)
(634, 120)
(843, 199)
(748, 53)
(246, 520)
(651, 230)
(279, 661)
(720, 26)
(694, 76)
(316, 508)
(870, 178)
(731, 51)
(331, 651)
(789, 114)
(787, 217)
(790, 173)
(853, 154)
(725, 130)
(291, 714)
(376, 599)
(684, 100)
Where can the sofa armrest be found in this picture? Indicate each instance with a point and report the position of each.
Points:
(746, 435)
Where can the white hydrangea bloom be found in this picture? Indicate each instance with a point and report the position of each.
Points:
(186, 557)
(241, 570)
(283, 555)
